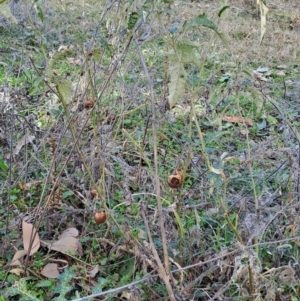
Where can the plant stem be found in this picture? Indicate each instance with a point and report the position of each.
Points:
(156, 176)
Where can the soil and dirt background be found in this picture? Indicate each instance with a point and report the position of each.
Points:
(149, 150)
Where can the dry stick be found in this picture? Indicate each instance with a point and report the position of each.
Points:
(162, 272)
(157, 182)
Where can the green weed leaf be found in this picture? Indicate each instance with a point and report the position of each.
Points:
(65, 92)
(133, 18)
(67, 194)
(177, 83)
(202, 20)
(39, 11)
(221, 11)
(3, 166)
(185, 52)
(57, 58)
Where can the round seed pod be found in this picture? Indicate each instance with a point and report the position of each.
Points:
(93, 193)
(88, 104)
(100, 217)
(175, 180)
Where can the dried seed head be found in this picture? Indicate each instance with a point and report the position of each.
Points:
(175, 180)
(93, 193)
(88, 104)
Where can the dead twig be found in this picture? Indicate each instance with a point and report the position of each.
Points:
(161, 270)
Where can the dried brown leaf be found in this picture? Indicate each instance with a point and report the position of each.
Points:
(70, 232)
(237, 119)
(17, 256)
(92, 273)
(25, 139)
(66, 245)
(17, 271)
(29, 232)
(50, 270)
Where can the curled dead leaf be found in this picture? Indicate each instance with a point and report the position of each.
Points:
(237, 119)
(175, 180)
(218, 172)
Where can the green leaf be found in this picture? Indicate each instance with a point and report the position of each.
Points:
(262, 125)
(186, 52)
(39, 11)
(67, 193)
(272, 120)
(215, 136)
(177, 83)
(221, 11)
(257, 98)
(55, 112)
(3, 166)
(65, 92)
(57, 58)
(38, 82)
(97, 54)
(45, 283)
(201, 20)
(133, 18)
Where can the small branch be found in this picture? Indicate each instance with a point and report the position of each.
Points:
(155, 152)
(161, 269)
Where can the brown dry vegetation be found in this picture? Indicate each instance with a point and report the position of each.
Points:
(90, 168)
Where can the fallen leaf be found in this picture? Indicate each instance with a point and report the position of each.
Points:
(295, 24)
(70, 232)
(282, 67)
(25, 139)
(218, 172)
(263, 69)
(50, 270)
(62, 48)
(29, 233)
(237, 119)
(66, 245)
(17, 271)
(280, 73)
(92, 273)
(17, 256)
(244, 132)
